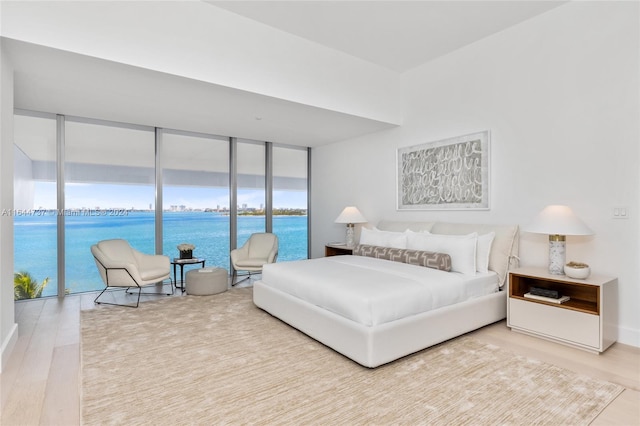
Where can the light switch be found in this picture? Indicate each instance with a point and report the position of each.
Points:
(620, 213)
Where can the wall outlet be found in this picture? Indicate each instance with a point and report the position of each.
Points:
(621, 212)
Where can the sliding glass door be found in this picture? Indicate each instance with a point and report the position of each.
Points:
(109, 193)
(35, 214)
(251, 189)
(289, 167)
(195, 185)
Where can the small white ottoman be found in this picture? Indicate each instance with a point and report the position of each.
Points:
(206, 281)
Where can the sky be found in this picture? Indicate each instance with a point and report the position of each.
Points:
(141, 197)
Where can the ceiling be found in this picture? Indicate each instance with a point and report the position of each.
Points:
(56, 81)
(397, 35)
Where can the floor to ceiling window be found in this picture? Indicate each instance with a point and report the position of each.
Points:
(289, 168)
(107, 189)
(195, 193)
(35, 229)
(109, 193)
(251, 189)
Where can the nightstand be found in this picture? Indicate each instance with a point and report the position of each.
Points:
(588, 320)
(337, 250)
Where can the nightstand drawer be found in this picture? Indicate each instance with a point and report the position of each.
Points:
(556, 323)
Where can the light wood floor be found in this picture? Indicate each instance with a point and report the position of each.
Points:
(40, 385)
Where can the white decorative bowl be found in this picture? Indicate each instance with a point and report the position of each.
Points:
(579, 273)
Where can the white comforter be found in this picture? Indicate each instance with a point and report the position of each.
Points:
(374, 291)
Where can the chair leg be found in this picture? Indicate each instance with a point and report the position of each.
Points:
(96, 299)
(157, 294)
(235, 275)
(118, 304)
(242, 280)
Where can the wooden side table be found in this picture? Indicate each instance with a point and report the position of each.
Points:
(588, 320)
(334, 249)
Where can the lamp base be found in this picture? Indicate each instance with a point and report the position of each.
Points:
(350, 235)
(557, 254)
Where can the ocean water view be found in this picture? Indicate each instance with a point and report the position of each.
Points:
(35, 244)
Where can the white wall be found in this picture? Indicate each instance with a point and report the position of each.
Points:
(8, 326)
(560, 95)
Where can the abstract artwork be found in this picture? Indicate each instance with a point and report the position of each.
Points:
(449, 174)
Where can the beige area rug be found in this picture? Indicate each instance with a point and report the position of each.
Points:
(220, 360)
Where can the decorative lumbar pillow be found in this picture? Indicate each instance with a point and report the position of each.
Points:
(439, 261)
(483, 251)
(375, 237)
(461, 248)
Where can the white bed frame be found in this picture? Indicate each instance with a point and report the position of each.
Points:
(372, 346)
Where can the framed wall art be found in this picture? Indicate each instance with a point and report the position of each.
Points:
(450, 174)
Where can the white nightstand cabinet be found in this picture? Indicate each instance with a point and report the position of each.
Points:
(587, 321)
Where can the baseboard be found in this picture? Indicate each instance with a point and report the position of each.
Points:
(7, 346)
(629, 336)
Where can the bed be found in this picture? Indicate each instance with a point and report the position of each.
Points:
(392, 300)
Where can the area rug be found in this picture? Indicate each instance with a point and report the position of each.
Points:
(220, 360)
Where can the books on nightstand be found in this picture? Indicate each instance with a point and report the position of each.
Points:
(559, 300)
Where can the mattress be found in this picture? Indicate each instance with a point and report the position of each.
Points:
(374, 291)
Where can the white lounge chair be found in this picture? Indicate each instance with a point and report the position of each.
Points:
(120, 265)
(260, 249)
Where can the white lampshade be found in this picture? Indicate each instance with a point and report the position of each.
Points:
(350, 215)
(557, 220)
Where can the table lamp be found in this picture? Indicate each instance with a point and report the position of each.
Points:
(557, 222)
(350, 215)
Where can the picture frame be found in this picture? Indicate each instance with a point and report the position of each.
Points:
(449, 174)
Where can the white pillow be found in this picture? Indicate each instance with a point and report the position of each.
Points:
(376, 237)
(461, 248)
(483, 251)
